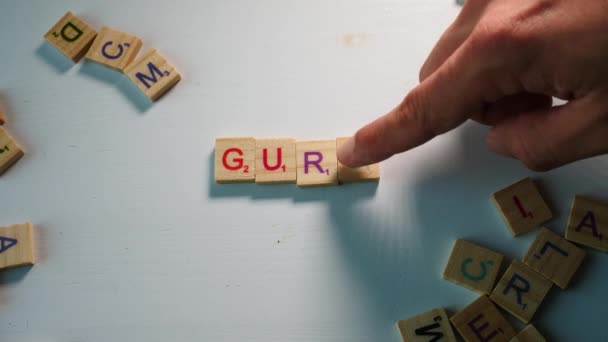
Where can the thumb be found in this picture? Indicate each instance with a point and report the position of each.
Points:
(553, 137)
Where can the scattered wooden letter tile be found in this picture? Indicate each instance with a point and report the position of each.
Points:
(72, 36)
(521, 290)
(153, 74)
(522, 206)
(316, 162)
(473, 266)
(275, 161)
(554, 257)
(432, 325)
(358, 174)
(481, 321)
(114, 49)
(234, 160)
(588, 223)
(529, 334)
(10, 152)
(16, 246)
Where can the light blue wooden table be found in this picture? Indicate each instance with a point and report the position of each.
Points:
(136, 243)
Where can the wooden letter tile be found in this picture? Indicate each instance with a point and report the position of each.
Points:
(481, 321)
(521, 290)
(234, 160)
(473, 266)
(529, 334)
(316, 162)
(72, 36)
(275, 161)
(588, 223)
(522, 206)
(432, 325)
(10, 152)
(554, 257)
(359, 174)
(114, 49)
(153, 74)
(16, 246)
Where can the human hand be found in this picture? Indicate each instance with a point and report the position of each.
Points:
(500, 63)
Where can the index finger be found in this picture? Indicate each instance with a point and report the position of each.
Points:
(440, 103)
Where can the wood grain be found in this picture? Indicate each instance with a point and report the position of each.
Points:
(72, 36)
(16, 246)
(153, 74)
(588, 223)
(522, 206)
(10, 151)
(529, 334)
(473, 266)
(235, 160)
(521, 291)
(481, 321)
(317, 163)
(554, 257)
(114, 49)
(275, 161)
(431, 324)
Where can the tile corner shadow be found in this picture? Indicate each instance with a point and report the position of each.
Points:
(100, 72)
(55, 59)
(14, 275)
(129, 90)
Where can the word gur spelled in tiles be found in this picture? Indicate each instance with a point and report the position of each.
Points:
(285, 160)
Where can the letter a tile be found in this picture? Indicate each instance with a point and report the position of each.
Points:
(317, 163)
(432, 325)
(153, 74)
(275, 161)
(72, 36)
(10, 152)
(114, 49)
(521, 290)
(473, 266)
(234, 160)
(522, 206)
(554, 257)
(16, 246)
(481, 321)
(588, 223)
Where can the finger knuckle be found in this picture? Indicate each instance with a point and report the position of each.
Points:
(499, 34)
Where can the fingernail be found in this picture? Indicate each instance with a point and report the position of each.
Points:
(497, 144)
(346, 153)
